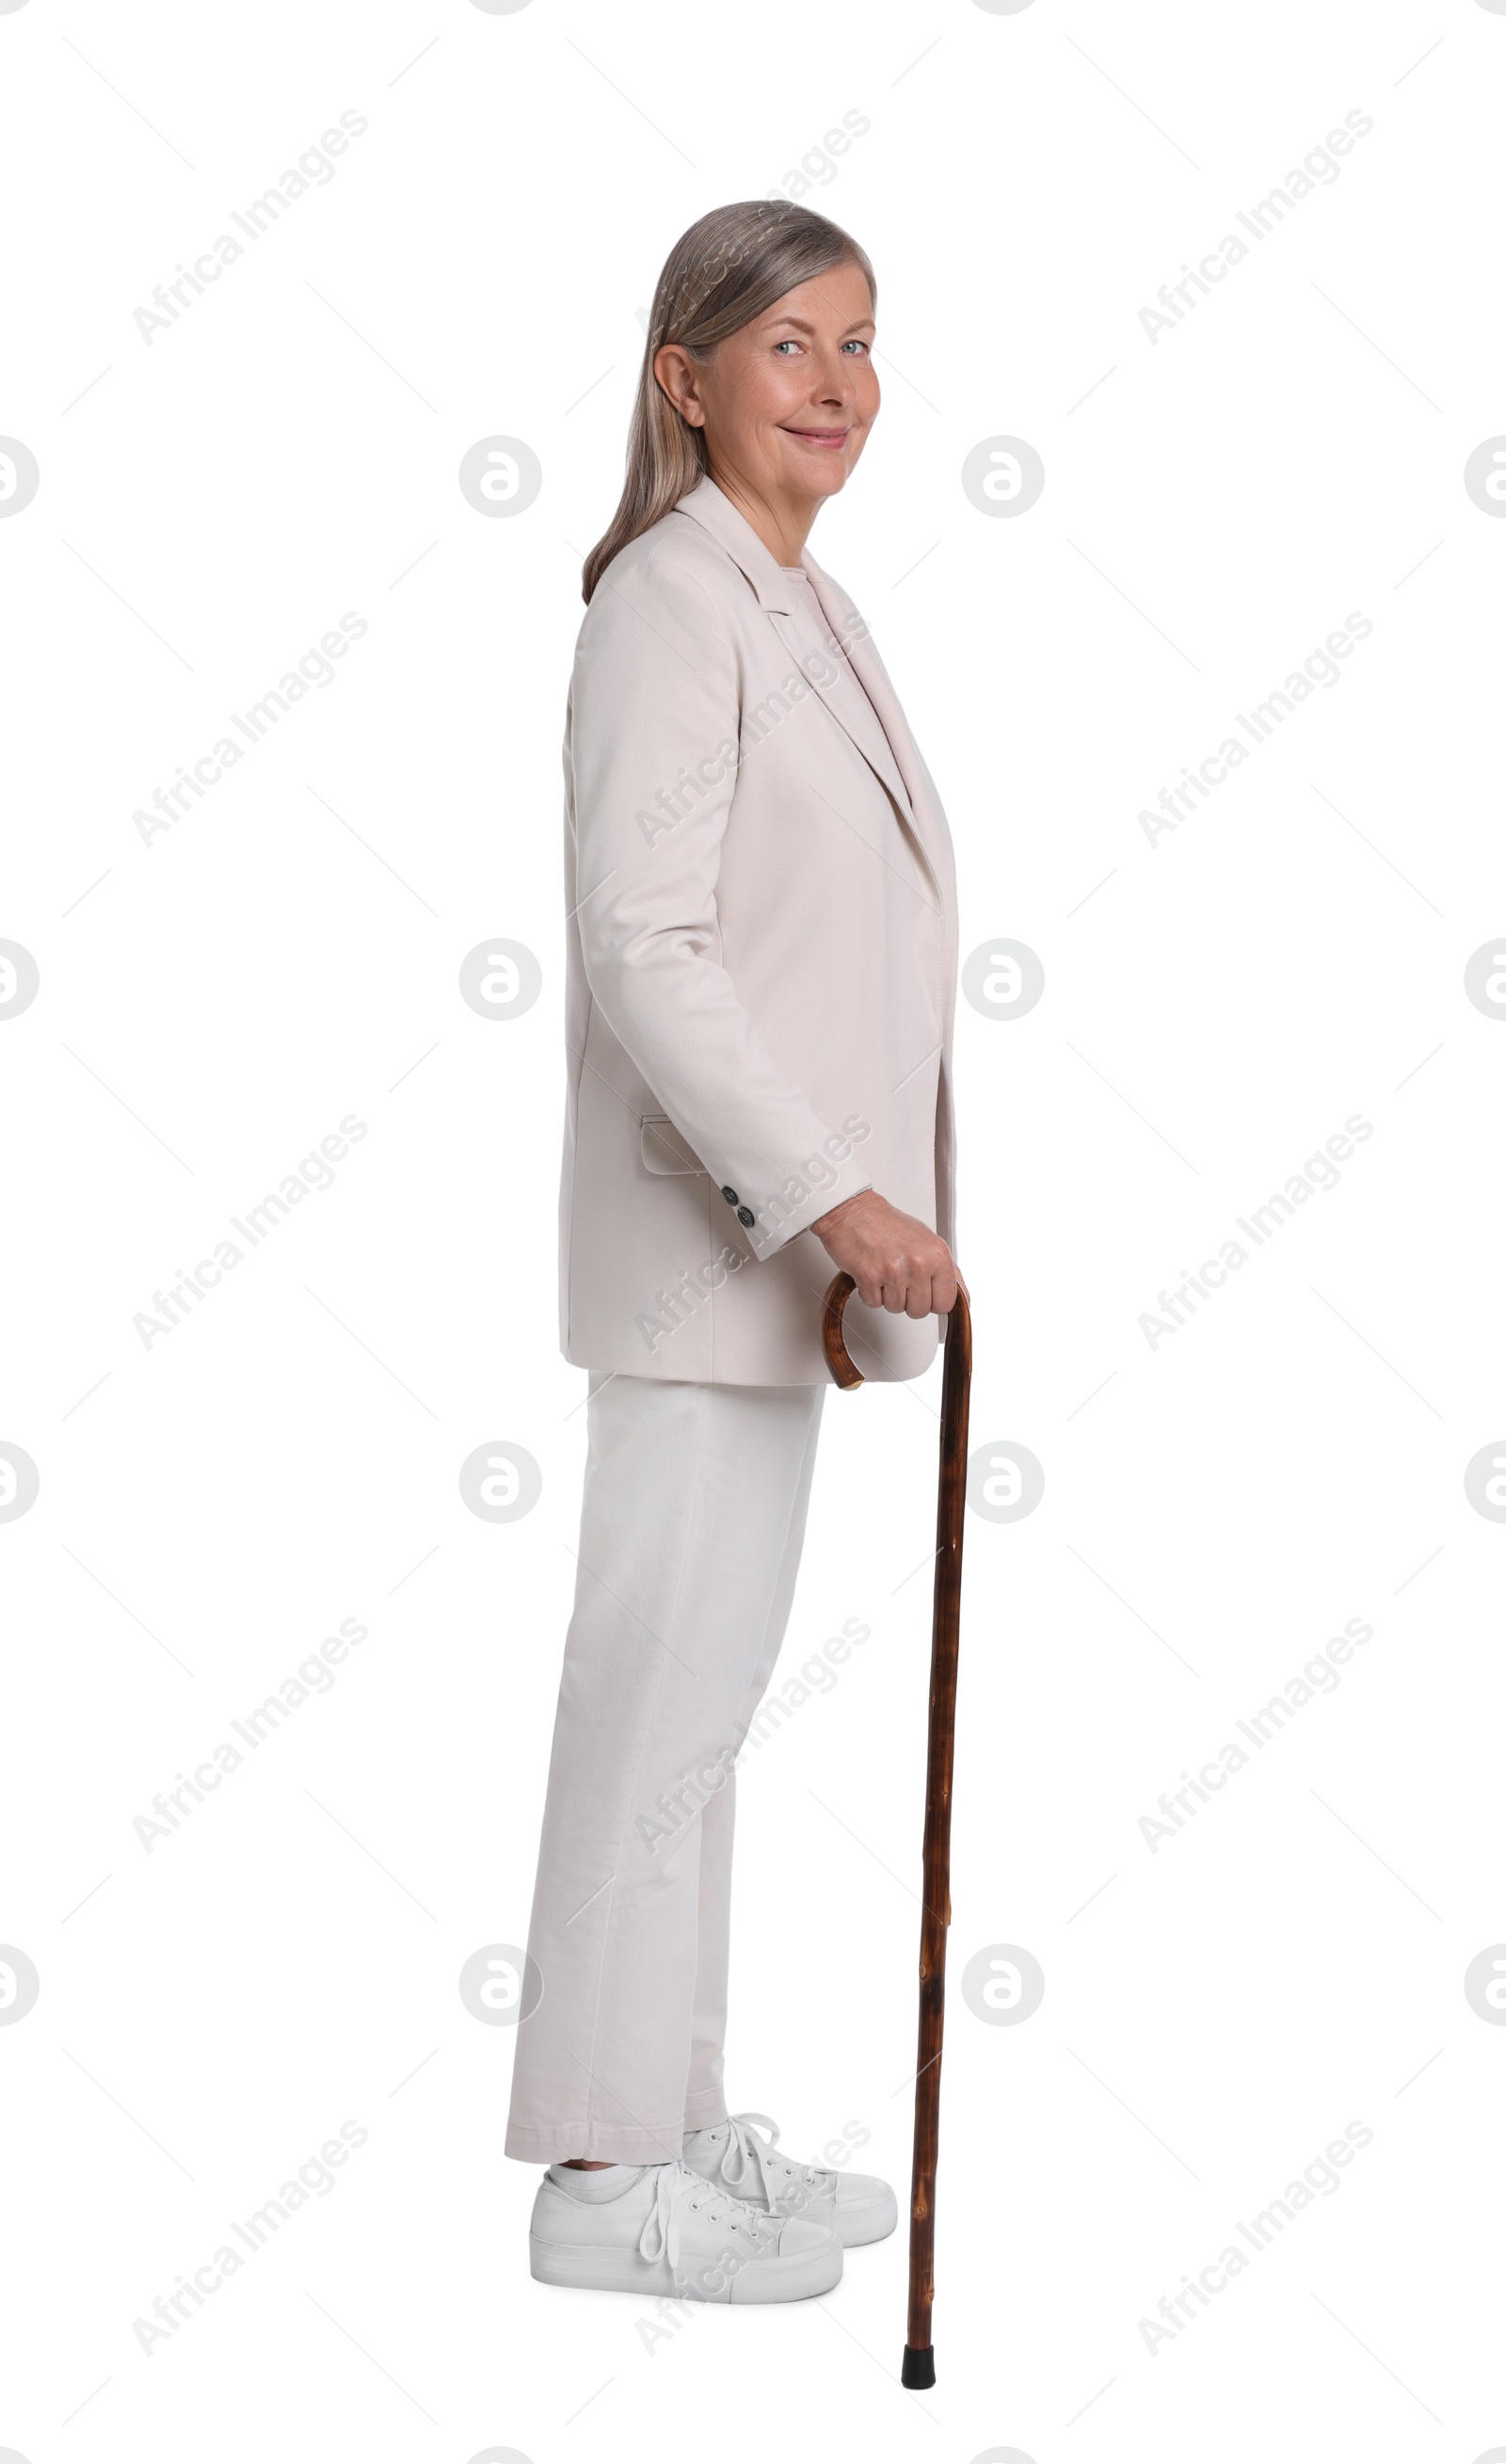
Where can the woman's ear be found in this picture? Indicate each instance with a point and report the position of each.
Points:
(675, 377)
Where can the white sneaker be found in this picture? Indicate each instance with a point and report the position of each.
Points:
(858, 2205)
(663, 2229)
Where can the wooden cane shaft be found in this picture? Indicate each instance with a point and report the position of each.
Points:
(936, 1840)
(936, 1845)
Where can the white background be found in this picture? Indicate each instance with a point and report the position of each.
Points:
(1216, 1006)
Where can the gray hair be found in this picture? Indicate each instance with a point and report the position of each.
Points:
(721, 274)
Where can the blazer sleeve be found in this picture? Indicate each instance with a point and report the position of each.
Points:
(654, 737)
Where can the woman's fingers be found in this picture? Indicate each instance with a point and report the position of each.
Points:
(897, 1262)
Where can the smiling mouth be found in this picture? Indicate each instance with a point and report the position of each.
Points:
(828, 436)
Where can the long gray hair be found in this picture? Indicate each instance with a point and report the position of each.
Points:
(720, 274)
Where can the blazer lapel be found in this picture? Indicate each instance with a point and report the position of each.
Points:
(871, 719)
(706, 504)
(897, 758)
(853, 709)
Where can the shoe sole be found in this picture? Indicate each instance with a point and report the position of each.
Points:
(592, 2270)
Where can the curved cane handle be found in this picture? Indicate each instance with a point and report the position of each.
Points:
(838, 1359)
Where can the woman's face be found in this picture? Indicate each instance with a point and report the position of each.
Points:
(787, 402)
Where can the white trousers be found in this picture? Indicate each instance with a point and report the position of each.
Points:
(691, 1525)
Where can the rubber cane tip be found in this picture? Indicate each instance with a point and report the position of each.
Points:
(917, 2368)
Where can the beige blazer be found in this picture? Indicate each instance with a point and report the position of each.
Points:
(761, 965)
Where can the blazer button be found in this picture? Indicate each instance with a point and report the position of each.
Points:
(730, 1195)
(745, 1217)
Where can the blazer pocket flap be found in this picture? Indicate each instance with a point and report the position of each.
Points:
(663, 1149)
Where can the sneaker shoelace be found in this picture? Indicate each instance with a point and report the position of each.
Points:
(746, 2155)
(678, 2190)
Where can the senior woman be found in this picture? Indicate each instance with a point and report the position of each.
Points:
(761, 975)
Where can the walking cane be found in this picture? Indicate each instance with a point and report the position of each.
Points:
(917, 2368)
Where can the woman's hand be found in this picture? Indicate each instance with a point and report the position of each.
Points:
(896, 1261)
